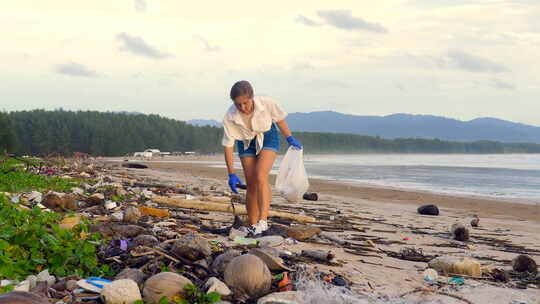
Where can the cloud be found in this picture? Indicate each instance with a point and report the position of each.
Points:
(306, 21)
(207, 46)
(501, 84)
(141, 6)
(474, 63)
(74, 69)
(343, 19)
(440, 3)
(138, 46)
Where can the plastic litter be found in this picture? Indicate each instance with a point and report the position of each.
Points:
(244, 241)
(285, 284)
(430, 275)
(292, 181)
(456, 281)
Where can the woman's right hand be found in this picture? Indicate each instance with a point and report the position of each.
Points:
(233, 181)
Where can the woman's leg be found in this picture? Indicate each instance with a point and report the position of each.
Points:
(265, 161)
(249, 165)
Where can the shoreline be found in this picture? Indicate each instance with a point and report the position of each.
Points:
(467, 205)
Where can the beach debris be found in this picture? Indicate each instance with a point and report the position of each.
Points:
(475, 221)
(332, 238)
(213, 284)
(238, 240)
(430, 275)
(59, 201)
(319, 255)
(134, 166)
(456, 281)
(287, 297)
(96, 199)
(21, 297)
(450, 265)
(500, 275)
(524, 263)
(34, 196)
(410, 254)
(132, 214)
(93, 284)
(301, 232)
(310, 196)
(110, 205)
(118, 216)
(124, 291)
(220, 263)
(117, 230)
(234, 233)
(149, 211)
(135, 275)
(69, 222)
(71, 285)
(428, 210)
(192, 247)
(274, 263)
(164, 284)
(270, 240)
(285, 284)
(211, 206)
(145, 240)
(459, 232)
(248, 277)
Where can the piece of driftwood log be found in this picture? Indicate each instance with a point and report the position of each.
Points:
(325, 256)
(210, 206)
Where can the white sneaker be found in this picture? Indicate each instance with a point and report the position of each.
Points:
(263, 225)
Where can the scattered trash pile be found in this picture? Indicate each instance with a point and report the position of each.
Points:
(161, 246)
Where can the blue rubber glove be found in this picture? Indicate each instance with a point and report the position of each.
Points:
(233, 180)
(294, 142)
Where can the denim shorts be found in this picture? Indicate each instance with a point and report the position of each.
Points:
(271, 142)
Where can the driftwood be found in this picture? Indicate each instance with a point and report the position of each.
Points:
(210, 206)
(324, 256)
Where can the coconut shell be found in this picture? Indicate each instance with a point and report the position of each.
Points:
(459, 232)
(248, 277)
(220, 263)
(164, 284)
(456, 266)
(523, 263)
(273, 263)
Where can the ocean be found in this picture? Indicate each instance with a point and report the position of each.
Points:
(513, 177)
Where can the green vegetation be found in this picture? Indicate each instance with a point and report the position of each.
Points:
(7, 133)
(40, 132)
(30, 241)
(15, 178)
(192, 296)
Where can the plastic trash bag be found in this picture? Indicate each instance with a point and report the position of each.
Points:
(292, 181)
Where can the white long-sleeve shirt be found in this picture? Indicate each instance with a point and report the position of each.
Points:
(266, 112)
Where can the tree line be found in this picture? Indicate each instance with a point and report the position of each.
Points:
(40, 132)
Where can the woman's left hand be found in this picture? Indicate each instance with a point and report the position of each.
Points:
(294, 142)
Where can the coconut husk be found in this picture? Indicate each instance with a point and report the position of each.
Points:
(274, 263)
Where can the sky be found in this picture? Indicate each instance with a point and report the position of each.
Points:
(456, 58)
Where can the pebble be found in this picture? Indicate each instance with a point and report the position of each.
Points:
(124, 291)
(214, 284)
(118, 216)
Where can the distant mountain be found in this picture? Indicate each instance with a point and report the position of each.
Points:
(204, 122)
(415, 126)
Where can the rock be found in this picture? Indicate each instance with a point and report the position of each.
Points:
(145, 240)
(20, 297)
(164, 284)
(287, 297)
(428, 210)
(132, 214)
(33, 280)
(124, 291)
(44, 276)
(475, 221)
(117, 230)
(220, 263)
(118, 216)
(302, 232)
(248, 277)
(59, 202)
(132, 274)
(192, 247)
(59, 286)
(271, 240)
(459, 232)
(450, 265)
(97, 199)
(523, 263)
(500, 275)
(273, 263)
(214, 284)
(310, 196)
(71, 285)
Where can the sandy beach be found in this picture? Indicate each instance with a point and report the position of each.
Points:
(388, 218)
